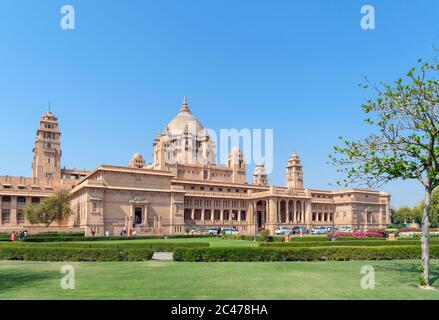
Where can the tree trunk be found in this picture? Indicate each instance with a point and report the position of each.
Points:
(426, 237)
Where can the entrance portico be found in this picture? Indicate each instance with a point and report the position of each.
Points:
(138, 213)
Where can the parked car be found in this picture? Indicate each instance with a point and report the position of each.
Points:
(213, 231)
(346, 229)
(282, 231)
(319, 230)
(299, 230)
(229, 231)
(332, 229)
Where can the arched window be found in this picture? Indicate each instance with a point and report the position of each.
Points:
(6, 199)
(35, 200)
(21, 200)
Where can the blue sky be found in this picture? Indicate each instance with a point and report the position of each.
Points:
(120, 77)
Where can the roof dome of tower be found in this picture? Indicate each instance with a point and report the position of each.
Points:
(184, 121)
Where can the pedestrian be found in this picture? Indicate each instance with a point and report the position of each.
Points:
(107, 233)
(13, 236)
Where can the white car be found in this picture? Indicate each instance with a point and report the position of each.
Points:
(282, 231)
(229, 231)
(319, 230)
(346, 229)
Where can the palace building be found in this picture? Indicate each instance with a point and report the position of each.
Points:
(183, 188)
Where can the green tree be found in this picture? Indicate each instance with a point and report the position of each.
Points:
(55, 208)
(404, 143)
(402, 215)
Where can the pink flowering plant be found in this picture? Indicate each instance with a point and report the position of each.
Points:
(358, 234)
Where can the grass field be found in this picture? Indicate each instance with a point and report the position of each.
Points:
(229, 281)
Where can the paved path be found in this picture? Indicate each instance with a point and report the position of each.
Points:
(163, 256)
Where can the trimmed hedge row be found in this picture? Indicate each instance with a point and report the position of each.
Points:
(89, 239)
(58, 235)
(338, 243)
(157, 247)
(252, 238)
(73, 254)
(301, 254)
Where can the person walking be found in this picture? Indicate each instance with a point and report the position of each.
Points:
(13, 236)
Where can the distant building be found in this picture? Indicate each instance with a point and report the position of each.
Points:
(183, 188)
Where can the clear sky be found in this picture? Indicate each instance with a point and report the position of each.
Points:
(120, 76)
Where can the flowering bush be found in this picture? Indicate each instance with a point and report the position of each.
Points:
(414, 234)
(409, 230)
(358, 234)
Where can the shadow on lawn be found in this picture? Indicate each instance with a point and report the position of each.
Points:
(411, 271)
(13, 279)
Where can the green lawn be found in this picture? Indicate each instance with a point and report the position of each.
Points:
(170, 280)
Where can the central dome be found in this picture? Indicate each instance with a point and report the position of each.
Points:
(184, 121)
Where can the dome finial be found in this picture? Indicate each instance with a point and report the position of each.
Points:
(184, 106)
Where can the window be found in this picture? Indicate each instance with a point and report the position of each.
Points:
(20, 216)
(21, 200)
(49, 145)
(95, 206)
(6, 216)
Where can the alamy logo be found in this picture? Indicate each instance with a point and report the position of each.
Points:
(68, 281)
(368, 19)
(368, 281)
(68, 19)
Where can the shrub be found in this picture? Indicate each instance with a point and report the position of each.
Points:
(57, 235)
(338, 243)
(73, 254)
(309, 239)
(358, 234)
(189, 236)
(88, 239)
(301, 254)
(265, 235)
(157, 247)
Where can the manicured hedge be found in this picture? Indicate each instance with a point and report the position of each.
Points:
(252, 238)
(57, 235)
(357, 239)
(188, 236)
(73, 254)
(97, 239)
(338, 243)
(301, 254)
(157, 247)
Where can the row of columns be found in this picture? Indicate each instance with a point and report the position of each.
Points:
(13, 208)
(272, 212)
(222, 214)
